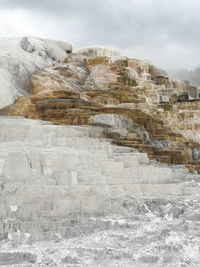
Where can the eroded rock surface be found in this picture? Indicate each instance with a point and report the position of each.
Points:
(85, 88)
(69, 196)
(88, 202)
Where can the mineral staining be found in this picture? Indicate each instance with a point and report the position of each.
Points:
(104, 170)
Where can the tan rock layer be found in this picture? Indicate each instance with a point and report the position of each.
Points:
(74, 92)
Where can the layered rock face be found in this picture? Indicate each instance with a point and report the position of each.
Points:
(61, 182)
(20, 58)
(164, 119)
(103, 172)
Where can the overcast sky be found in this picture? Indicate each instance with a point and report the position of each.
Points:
(167, 32)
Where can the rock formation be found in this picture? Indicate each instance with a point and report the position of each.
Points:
(97, 51)
(67, 182)
(20, 58)
(164, 123)
(99, 161)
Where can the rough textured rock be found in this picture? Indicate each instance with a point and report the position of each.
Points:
(82, 88)
(112, 121)
(90, 202)
(85, 200)
(20, 58)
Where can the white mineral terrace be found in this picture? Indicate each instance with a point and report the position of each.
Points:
(103, 205)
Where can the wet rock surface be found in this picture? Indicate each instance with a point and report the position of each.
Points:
(13, 258)
(69, 197)
(151, 233)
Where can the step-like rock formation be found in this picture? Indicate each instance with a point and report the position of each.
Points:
(99, 173)
(65, 181)
(164, 124)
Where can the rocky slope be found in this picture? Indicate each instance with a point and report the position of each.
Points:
(103, 172)
(20, 58)
(71, 198)
(139, 106)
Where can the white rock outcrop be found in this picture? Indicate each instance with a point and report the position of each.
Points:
(112, 120)
(21, 57)
(103, 205)
(51, 173)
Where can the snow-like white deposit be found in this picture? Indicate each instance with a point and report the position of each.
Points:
(70, 198)
(20, 57)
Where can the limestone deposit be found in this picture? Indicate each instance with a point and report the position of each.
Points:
(70, 185)
(164, 116)
(99, 163)
(20, 58)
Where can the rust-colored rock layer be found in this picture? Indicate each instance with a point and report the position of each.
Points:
(164, 115)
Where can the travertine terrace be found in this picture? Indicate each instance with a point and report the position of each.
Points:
(163, 113)
(99, 164)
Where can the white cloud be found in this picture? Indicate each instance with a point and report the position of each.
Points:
(166, 32)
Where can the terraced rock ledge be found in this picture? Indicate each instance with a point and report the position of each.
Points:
(163, 118)
(71, 185)
(99, 161)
